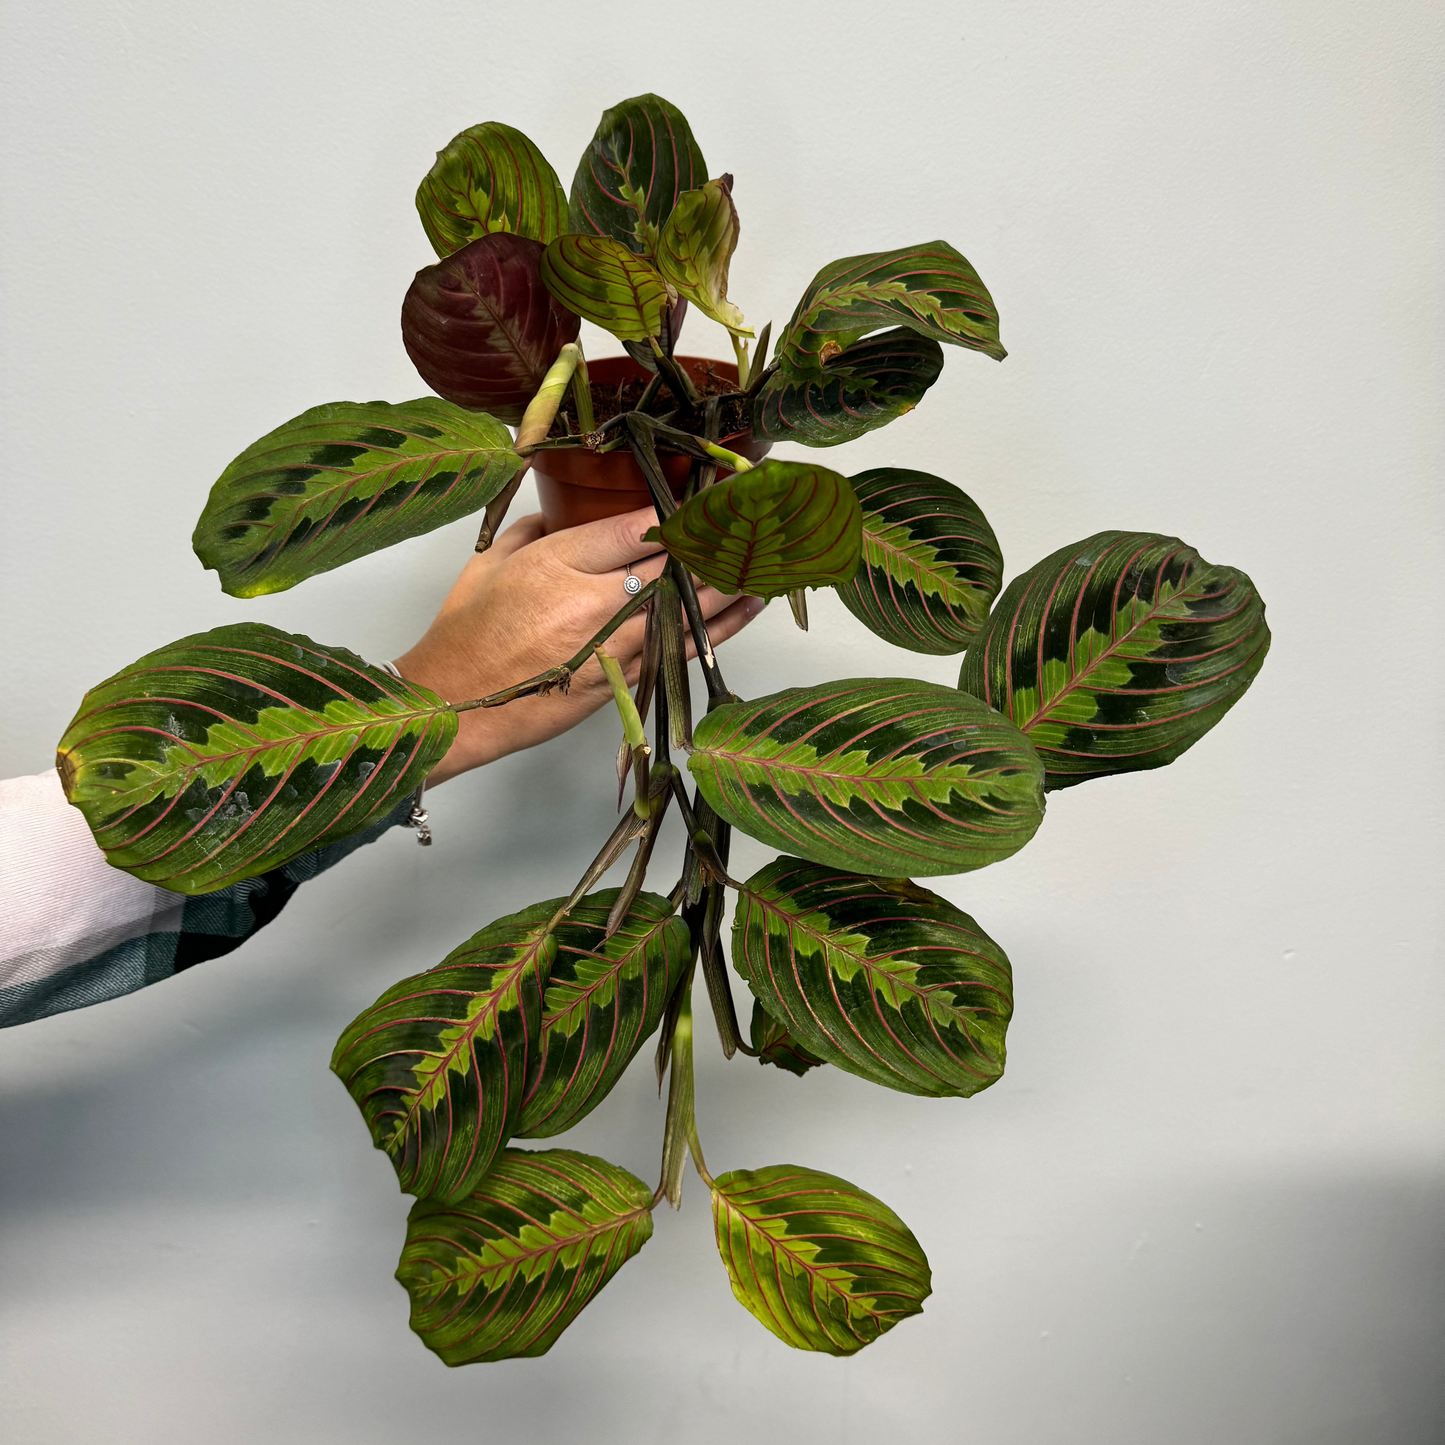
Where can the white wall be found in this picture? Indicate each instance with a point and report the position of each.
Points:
(1204, 1203)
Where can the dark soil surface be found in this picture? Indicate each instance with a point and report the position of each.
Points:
(612, 399)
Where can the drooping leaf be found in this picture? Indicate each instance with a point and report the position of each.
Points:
(499, 1275)
(766, 531)
(482, 329)
(931, 563)
(490, 178)
(864, 387)
(345, 479)
(1118, 653)
(930, 289)
(822, 1264)
(226, 754)
(641, 159)
(696, 248)
(604, 999)
(876, 975)
(438, 1065)
(776, 1046)
(887, 776)
(604, 283)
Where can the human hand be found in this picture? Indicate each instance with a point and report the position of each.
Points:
(530, 602)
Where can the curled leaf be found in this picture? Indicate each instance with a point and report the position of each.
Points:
(775, 1045)
(696, 248)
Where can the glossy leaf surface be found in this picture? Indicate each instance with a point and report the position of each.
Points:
(931, 563)
(765, 531)
(490, 178)
(499, 1275)
(343, 480)
(1118, 653)
(866, 386)
(226, 754)
(697, 247)
(930, 289)
(876, 975)
(887, 776)
(776, 1046)
(604, 283)
(642, 158)
(605, 997)
(482, 329)
(438, 1064)
(822, 1264)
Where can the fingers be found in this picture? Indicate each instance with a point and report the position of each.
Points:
(729, 622)
(518, 535)
(608, 545)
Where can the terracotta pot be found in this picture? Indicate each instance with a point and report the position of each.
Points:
(580, 486)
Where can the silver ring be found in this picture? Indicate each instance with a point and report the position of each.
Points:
(631, 585)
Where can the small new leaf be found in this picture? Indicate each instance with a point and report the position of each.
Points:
(696, 248)
(766, 531)
(775, 1045)
(930, 289)
(344, 480)
(1118, 653)
(224, 755)
(820, 1263)
(886, 776)
(931, 563)
(903, 990)
(606, 284)
(500, 1274)
(490, 178)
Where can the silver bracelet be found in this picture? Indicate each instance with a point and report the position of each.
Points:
(418, 817)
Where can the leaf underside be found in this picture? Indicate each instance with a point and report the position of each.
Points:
(878, 976)
(775, 1045)
(887, 776)
(1118, 653)
(931, 563)
(929, 288)
(482, 329)
(224, 755)
(641, 159)
(866, 386)
(500, 1274)
(766, 531)
(490, 178)
(605, 997)
(438, 1064)
(816, 1260)
(343, 480)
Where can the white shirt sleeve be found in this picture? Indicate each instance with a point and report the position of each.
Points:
(60, 901)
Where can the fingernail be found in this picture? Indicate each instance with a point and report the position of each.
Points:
(753, 606)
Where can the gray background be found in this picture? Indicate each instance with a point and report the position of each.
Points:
(1204, 1203)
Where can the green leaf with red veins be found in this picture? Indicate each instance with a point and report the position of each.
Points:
(696, 248)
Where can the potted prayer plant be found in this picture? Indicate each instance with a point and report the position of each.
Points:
(223, 755)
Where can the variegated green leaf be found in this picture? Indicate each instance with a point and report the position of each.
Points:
(887, 776)
(345, 479)
(1118, 653)
(500, 1274)
(766, 531)
(929, 288)
(876, 975)
(696, 248)
(931, 563)
(864, 387)
(822, 1264)
(604, 283)
(490, 178)
(480, 327)
(605, 997)
(438, 1064)
(226, 754)
(641, 159)
(775, 1045)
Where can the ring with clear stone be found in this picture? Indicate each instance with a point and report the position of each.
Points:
(630, 584)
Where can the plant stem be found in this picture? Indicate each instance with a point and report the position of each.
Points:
(676, 377)
(561, 675)
(582, 394)
(740, 350)
(680, 1137)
